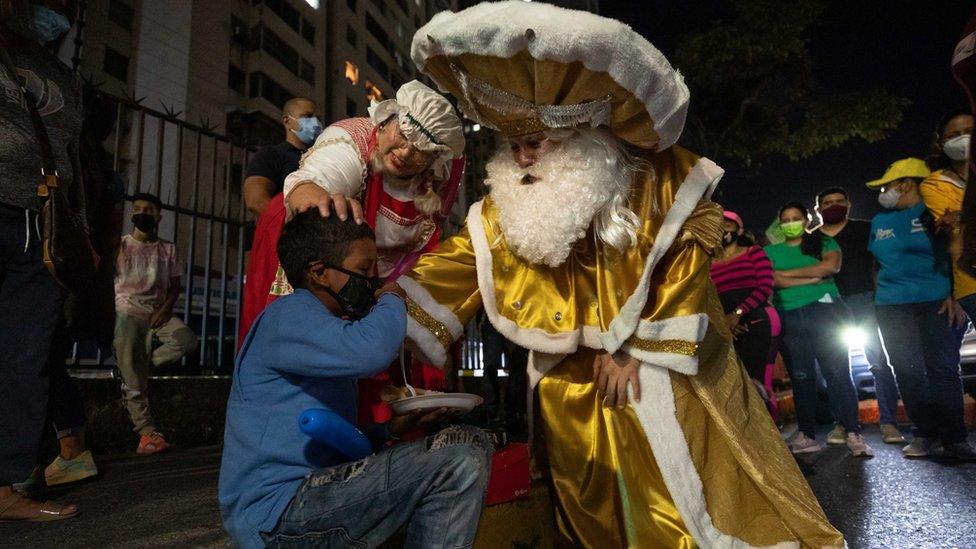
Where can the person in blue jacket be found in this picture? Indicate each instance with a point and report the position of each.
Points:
(306, 350)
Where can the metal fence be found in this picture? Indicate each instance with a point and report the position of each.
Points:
(197, 173)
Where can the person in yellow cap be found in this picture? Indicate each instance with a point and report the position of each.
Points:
(943, 191)
(593, 250)
(921, 324)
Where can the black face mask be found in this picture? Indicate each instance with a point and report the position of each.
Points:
(357, 296)
(145, 222)
(729, 237)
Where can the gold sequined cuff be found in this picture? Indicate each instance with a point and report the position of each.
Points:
(676, 346)
(423, 318)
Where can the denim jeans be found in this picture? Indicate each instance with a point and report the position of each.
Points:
(30, 305)
(923, 350)
(885, 389)
(813, 335)
(436, 487)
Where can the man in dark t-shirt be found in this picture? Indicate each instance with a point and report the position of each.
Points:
(856, 283)
(268, 168)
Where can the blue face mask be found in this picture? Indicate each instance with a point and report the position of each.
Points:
(309, 129)
(46, 25)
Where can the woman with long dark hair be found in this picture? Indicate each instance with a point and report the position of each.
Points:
(942, 192)
(743, 277)
(813, 317)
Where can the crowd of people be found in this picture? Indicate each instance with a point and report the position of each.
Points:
(592, 263)
(893, 279)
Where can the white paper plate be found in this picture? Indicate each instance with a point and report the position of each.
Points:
(465, 402)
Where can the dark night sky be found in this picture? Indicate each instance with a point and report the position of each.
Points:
(903, 46)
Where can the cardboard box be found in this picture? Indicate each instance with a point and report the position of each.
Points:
(510, 478)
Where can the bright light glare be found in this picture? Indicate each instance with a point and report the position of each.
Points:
(476, 127)
(854, 338)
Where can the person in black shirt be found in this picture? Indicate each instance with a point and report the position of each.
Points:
(268, 168)
(856, 284)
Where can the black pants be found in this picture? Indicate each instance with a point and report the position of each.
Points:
(66, 405)
(757, 347)
(30, 305)
(923, 350)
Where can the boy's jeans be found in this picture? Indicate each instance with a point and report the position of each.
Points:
(135, 358)
(435, 486)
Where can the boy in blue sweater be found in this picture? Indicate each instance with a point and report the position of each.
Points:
(306, 350)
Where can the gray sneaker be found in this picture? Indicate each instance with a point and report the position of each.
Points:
(922, 447)
(857, 446)
(890, 434)
(802, 444)
(837, 437)
(959, 450)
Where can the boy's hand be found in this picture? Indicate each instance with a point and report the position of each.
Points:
(391, 288)
(401, 425)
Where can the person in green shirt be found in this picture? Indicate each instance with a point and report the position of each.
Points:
(814, 317)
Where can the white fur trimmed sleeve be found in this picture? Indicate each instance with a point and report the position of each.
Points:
(333, 163)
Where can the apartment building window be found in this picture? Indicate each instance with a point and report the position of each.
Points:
(308, 31)
(120, 13)
(403, 6)
(352, 109)
(254, 90)
(380, 5)
(115, 64)
(308, 72)
(263, 86)
(235, 79)
(377, 31)
(351, 36)
(352, 72)
(351, 4)
(286, 12)
(378, 64)
(277, 48)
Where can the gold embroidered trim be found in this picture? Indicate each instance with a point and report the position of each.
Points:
(522, 126)
(676, 346)
(423, 318)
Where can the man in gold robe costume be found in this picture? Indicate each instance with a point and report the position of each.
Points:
(693, 459)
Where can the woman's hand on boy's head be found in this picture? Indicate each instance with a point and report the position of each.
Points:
(391, 288)
(307, 195)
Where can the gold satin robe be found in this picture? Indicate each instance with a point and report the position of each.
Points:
(698, 461)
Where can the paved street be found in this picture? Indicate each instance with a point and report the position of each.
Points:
(169, 501)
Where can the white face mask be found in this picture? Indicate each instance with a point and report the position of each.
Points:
(889, 199)
(957, 148)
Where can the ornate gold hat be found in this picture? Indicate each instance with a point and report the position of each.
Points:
(523, 67)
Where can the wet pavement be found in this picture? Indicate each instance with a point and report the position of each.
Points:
(170, 501)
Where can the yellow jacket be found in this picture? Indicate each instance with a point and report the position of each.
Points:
(942, 192)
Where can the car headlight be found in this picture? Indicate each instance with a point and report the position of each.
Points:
(854, 337)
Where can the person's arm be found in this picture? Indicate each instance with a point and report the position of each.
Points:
(828, 266)
(165, 311)
(258, 192)
(330, 175)
(764, 281)
(782, 281)
(341, 348)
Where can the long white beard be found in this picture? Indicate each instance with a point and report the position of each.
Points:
(542, 221)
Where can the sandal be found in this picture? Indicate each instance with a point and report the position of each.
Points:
(47, 511)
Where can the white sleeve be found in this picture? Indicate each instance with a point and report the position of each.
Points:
(333, 163)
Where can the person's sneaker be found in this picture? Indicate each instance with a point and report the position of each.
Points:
(802, 444)
(959, 450)
(837, 437)
(33, 486)
(857, 445)
(64, 471)
(890, 434)
(921, 447)
(153, 443)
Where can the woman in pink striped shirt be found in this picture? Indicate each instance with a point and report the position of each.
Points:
(743, 276)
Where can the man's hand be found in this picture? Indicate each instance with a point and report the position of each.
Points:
(391, 288)
(611, 378)
(949, 221)
(955, 313)
(308, 195)
(160, 317)
(401, 425)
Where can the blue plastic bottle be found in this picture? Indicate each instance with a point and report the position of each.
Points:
(329, 428)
